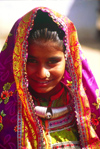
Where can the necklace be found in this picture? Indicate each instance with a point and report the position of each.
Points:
(51, 113)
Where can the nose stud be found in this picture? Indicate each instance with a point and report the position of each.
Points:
(47, 74)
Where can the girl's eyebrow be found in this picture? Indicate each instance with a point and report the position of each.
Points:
(55, 57)
(30, 56)
(50, 58)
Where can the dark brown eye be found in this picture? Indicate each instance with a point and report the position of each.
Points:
(31, 60)
(54, 60)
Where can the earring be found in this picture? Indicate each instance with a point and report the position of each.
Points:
(47, 74)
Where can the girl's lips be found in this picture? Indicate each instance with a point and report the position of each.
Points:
(42, 82)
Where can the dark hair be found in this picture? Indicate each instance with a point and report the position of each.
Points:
(46, 29)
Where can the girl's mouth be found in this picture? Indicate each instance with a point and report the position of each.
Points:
(46, 82)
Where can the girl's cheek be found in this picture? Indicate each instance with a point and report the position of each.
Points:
(30, 70)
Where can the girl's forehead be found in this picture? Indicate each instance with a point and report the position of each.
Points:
(47, 46)
(45, 50)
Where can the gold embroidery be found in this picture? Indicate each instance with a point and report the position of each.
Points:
(98, 100)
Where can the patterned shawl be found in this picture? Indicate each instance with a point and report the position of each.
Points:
(19, 124)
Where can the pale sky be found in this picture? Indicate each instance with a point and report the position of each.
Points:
(10, 11)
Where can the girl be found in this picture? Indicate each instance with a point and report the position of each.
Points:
(49, 97)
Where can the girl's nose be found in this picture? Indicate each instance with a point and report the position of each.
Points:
(42, 72)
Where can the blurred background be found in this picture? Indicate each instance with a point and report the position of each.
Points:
(85, 14)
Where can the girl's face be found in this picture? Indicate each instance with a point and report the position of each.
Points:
(48, 56)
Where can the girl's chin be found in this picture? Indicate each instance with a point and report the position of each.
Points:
(45, 91)
(43, 88)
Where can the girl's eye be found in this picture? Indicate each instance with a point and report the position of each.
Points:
(52, 62)
(29, 60)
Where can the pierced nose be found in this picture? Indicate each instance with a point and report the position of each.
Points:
(47, 73)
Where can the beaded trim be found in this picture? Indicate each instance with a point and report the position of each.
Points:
(76, 98)
(19, 123)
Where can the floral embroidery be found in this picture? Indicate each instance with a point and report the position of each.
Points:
(10, 34)
(15, 128)
(5, 45)
(95, 121)
(5, 94)
(7, 86)
(98, 100)
(10, 93)
(69, 83)
(1, 116)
